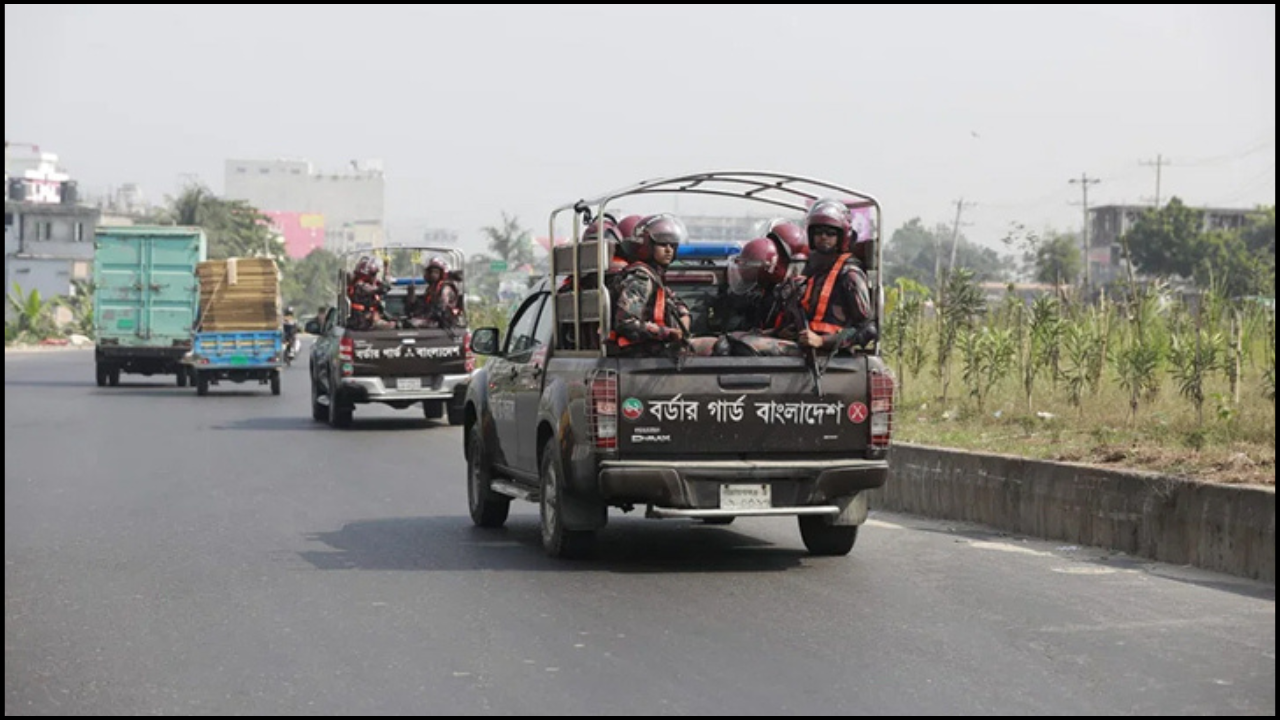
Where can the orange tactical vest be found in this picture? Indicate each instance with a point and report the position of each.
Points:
(659, 305)
(818, 316)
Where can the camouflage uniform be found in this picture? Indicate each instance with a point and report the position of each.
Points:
(436, 308)
(635, 333)
(755, 324)
(366, 305)
(848, 307)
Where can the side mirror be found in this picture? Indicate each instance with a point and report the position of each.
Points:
(312, 327)
(484, 341)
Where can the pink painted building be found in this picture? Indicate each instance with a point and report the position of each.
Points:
(303, 232)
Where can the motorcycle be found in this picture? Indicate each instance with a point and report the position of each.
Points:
(292, 346)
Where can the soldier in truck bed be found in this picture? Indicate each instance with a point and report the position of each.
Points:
(364, 291)
(649, 317)
(440, 303)
(836, 303)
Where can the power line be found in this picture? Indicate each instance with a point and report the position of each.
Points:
(1253, 149)
(1260, 180)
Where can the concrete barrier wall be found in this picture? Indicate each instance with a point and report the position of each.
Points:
(1226, 528)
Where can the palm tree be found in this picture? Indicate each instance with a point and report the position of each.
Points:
(511, 242)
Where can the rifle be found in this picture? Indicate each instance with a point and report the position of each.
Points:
(682, 348)
(791, 301)
(445, 321)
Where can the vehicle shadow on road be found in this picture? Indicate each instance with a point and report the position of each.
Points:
(288, 422)
(625, 546)
(63, 383)
(303, 422)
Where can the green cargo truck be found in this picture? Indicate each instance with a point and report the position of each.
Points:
(145, 300)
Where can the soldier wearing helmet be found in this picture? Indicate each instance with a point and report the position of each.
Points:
(439, 305)
(791, 243)
(836, 302)
(364, 292)
(648, 315)
(754, 275)
(610, 229)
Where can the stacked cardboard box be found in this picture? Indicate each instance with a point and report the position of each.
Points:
(239, 294)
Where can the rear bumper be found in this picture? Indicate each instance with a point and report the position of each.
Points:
(237, 373)
(373, 389)
(144, 360)
(695, 485)
(126, 352)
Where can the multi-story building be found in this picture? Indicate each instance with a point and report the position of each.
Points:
(1107, 223)
(48, 234)
(347, 208)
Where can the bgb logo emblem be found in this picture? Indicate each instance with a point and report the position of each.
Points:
(632, 408)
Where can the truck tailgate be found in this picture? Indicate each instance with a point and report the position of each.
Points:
(407, 353)
(238, 348)
(744, 408)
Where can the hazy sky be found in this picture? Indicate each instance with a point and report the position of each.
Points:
(476, 111)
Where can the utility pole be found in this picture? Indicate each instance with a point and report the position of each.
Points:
(1085, 181)
(955, 233)
(1160, 162)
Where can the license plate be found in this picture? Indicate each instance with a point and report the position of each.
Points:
(409, 383)
(746, 497)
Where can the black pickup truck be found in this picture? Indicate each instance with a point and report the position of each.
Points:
(399, 367)
(553, 418)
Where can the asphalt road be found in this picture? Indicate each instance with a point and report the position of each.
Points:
(171, 554)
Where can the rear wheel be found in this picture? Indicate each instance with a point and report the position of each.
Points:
(113, 377)
(488, 508)
(275, 382)
(556, 540)
(182, 377)
(202, 384)
(319, 412)
(457, 415)
(823, 538)
(339, 416)
(432, 409)
(102, 373)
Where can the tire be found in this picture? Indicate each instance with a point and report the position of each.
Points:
(102, 372)
(202, 384)
(182, 377)
(432, 409)
(457, 415)
(556, 540)
(823, 538)
(718, 520)
(113, 377)
(488, 508)
(275, 382)
(319, 412)
(339, 417)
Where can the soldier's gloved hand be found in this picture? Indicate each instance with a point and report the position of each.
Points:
(865, 336)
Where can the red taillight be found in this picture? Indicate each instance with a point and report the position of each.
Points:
(881, 408)
(347, 355)
(471, 357)
(602, 409)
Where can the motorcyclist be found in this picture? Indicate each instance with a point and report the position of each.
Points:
(290, 327)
